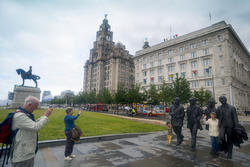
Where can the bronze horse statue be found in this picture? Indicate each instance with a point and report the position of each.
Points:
(27, 75)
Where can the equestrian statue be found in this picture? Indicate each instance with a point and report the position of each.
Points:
(27, 75)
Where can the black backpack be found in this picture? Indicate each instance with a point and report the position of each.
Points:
(7, 136)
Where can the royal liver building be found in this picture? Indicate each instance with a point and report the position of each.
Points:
(109, 64)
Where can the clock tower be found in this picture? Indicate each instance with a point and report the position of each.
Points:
(109, 64)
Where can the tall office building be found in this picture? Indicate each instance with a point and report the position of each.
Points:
(213, 58)
(45, 93)
(109, 64)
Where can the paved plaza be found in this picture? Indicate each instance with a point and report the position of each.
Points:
(151, 150)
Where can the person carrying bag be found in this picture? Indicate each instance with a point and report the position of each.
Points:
(72, 133)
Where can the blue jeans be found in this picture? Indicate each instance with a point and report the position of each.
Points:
(214, 143)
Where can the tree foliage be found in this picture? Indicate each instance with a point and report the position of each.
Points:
(134, 95)
(120, 96)
(105, 96)
(181, 89)
(152, 95)
(202, 96)
(166, 94)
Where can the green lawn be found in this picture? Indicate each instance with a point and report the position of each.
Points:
(91, 123)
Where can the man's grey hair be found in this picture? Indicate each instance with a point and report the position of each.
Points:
(31, 100)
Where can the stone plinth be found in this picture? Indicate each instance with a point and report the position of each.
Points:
(21, 92)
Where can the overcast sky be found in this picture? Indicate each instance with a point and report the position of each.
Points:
(55, 36)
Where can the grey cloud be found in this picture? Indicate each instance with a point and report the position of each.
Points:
(56, 36)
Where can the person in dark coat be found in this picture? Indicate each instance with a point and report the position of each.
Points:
(228, 120)
(194, 114)
(210, 108)
(177, 116)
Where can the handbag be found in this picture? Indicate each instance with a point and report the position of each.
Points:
(76, 133)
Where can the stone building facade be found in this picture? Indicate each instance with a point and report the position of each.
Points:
(109, 64)
(213, 58)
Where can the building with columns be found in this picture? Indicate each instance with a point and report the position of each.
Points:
(214, 58)
(109, 64)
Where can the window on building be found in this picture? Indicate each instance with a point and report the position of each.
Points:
(219, 37)
(222, 70)
(170, 51)
(204, 42)
(194, 73)
(208, 83)
(171, 77)
(183, 66)
(195, 84)
(182, 57)
(181, 49)
(205, 52)
(183, 74)
(152, 80)
(193, 55)
(194, 64)
(170, 68)
(144, 73)
(192, 46)
(145, 81)
(144, 60)
(152, 72)
(221, 58)
(170, 59)
(206, 62)
(159, 62)
(160, 78)
(151, 63)
(223, 81)
(220, 48)
(207, 71)
(144, 66)
(159, 70)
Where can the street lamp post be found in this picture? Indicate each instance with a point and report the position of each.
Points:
(212, 80)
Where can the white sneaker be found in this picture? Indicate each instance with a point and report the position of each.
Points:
(72, 156)
(68, 158)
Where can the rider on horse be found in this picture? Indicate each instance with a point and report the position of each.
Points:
(29, 73)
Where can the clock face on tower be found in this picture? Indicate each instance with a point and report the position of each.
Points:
(107, 38)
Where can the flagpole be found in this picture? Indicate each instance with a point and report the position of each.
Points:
(170, 32)
(210, 17)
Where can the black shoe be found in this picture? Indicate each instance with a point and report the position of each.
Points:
(179, 143)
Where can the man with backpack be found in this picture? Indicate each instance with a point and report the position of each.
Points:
(25, 143)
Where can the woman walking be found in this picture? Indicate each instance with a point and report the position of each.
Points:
(69, 125)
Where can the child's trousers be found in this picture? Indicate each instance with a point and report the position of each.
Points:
(169, 139)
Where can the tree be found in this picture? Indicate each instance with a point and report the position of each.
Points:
(181, 89)
(120, 96)
(152, 95)
(134, 95)
(166, 93)
(91, 98)
(58, 100)
(105, 96)
(202, 96)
